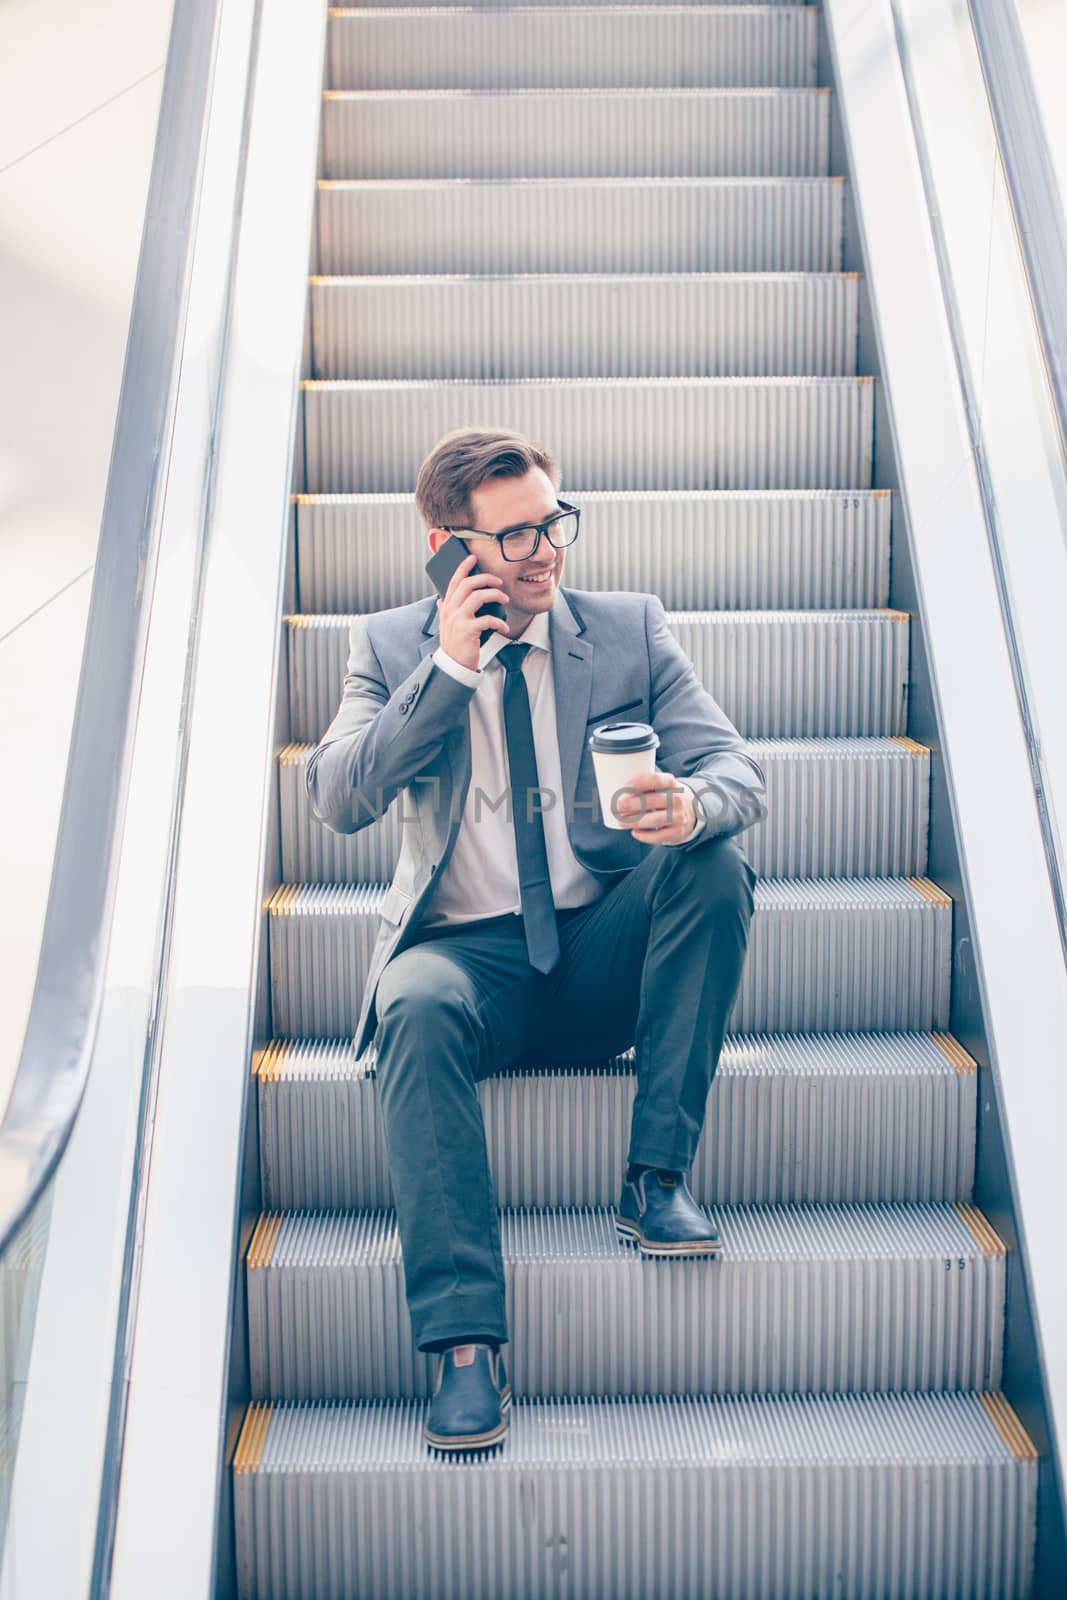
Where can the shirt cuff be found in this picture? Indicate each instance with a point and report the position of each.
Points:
(471, 676)
(702, 816)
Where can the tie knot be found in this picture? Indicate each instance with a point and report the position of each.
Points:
(513, 656)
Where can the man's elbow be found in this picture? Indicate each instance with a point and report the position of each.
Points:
(329, 805)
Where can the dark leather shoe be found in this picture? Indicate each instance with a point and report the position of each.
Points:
(471, 1399)
(657, 1212)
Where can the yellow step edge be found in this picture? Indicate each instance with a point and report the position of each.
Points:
(911, 745)
(253, 1437)
(890, 611)
(260, 1251)
(963, 1063)
(282, 900)
(930, 891)
(1009, 1427)
(980, 1229)
(269, 1065)
(291, 755)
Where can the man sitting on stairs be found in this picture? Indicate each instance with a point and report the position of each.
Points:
(518, 926)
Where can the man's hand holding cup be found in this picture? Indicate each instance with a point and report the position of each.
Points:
(634, 794)
(662, 811)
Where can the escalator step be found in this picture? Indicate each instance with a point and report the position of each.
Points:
(802, 1299)
(857, 1495)
(621, 433)
(580, 225)
(819, 1118)
(775, 674)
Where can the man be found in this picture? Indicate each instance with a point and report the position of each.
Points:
(518, 925)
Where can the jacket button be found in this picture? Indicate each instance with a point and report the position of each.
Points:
(403, 708)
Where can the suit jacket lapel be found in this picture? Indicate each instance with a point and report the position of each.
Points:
(572, 677)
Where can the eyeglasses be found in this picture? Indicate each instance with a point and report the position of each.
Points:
(518, 544)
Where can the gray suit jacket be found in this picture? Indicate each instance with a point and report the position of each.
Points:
(403, 725)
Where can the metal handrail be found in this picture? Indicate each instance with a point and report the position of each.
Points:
(65, 1010)
(1033, 190)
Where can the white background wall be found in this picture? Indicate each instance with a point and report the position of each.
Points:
(79, 98)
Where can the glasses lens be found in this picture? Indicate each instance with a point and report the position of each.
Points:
(564, 530)
(520, 544)
(523, 542)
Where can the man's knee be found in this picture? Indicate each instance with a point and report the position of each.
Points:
(431, 997)
(721, 874)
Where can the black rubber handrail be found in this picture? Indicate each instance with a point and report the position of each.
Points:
(64, 1012)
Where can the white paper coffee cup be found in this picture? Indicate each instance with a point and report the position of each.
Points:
(621, 750)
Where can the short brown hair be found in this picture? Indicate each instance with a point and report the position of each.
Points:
(465, 458)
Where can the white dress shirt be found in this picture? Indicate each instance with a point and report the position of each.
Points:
(482, 875)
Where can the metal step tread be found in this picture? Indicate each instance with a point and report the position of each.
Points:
(816, 1118)
(622, 433)
(651, 497)
(718, 8)
(849, 672)
(712, 92)
(607, 325)
(712, 619)
(833, 673)
(554, 46)
(914, 1054)
(649, 384)
(801, 1298)
(688, 1495)
(840, 808)
(780, 894)
(536, 1236)
(590, 130)
(585, 182)
(805, 549)
(824, 955)
(894, 748)
(706, 1432)
(671, 280)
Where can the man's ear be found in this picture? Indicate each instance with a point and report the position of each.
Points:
(435, 538)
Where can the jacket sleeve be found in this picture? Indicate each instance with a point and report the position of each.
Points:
(698, 741)
(378, 742)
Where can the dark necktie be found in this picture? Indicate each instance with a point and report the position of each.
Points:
(535, 886)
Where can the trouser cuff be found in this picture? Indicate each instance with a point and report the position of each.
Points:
(457, 1316)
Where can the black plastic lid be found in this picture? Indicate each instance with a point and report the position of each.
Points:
(619, 738)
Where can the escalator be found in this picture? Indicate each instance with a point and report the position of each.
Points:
(624, 231)
(742, 269)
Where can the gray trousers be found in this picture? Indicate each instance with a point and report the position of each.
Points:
(655, 963)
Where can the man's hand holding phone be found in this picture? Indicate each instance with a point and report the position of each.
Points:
(460, 628)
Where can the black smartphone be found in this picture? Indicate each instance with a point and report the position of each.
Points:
(443, 563)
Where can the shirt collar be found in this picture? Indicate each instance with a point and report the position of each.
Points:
(536, 634)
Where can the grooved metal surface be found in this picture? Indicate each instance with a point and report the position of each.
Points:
(586, 325)
(838, 808)
(616, 433)
(624, 1499)
(572, 133)
(826, 1117)
(805, 1299)
(588, 224)
(505, 5)
(776, 674)
(557, 47)
(823, 955)
(727, 549)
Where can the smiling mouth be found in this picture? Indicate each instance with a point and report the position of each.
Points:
(537, 577)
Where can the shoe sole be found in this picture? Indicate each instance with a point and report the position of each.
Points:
(681, 1247)
(473, 1441)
